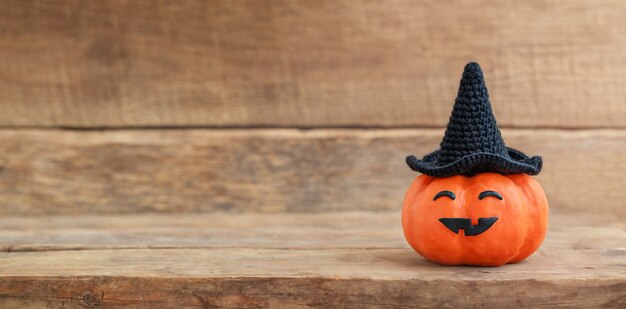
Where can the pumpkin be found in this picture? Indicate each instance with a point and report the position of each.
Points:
(488, 219)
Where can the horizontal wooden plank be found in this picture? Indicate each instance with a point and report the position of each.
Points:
(577, 267)
(264, 292)
(130, 171)
(292, 63)
(373, 230)
(209, 230)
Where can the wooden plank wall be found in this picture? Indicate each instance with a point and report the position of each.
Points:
(129, 106)
(110, 63)
(128, 171)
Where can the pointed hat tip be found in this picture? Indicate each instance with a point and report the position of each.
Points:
(473, 67)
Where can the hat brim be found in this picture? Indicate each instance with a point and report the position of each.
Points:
(481, 162)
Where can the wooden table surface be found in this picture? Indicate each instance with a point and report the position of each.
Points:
(342, 259)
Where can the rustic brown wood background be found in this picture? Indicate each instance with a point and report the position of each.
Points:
(556, 69)
(242, 115)
(288, 63)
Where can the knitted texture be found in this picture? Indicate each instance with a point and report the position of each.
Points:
(472, 143)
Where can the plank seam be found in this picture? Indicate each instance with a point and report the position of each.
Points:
(296, 128)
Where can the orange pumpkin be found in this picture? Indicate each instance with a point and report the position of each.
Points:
(488, 219)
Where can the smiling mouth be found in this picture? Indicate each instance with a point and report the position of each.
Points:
(455, 224)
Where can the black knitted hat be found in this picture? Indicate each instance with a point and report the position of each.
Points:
(472, 143)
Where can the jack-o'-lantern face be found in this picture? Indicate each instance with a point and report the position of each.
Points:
(488, 219)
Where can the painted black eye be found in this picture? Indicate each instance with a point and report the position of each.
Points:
(485, 194)
(444, 193)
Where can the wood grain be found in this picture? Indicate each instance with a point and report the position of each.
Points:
(290, 63)
(374, 230)
(307, 292)
(576, 267)
(178, 171)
